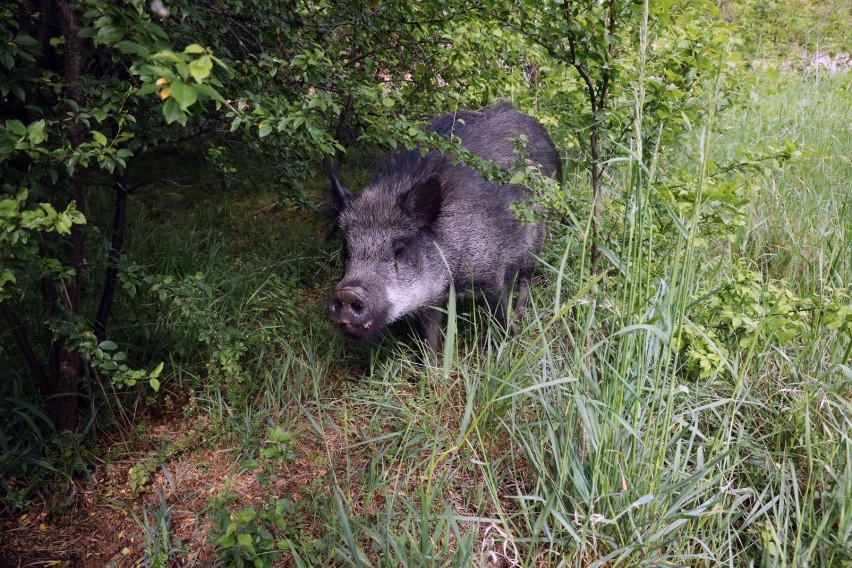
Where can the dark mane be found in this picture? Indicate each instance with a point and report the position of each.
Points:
(409, 163)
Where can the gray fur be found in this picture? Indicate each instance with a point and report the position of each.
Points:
(427, 205)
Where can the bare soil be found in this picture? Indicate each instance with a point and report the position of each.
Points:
(100, 529)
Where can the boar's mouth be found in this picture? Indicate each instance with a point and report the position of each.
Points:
(361, 332)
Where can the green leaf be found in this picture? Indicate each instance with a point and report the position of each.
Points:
(172, 112)
(18, 91)
(87, 32)
(157, 370)
(63, 225)
(184, 94)
(7, 276)
(246, 543)
(7, 60)
(169, 55)
(263, 129)
(155, 384)
(147, 88)
(16, 127)
(8, 210)
(99, 138)
(132, 48)
(388, 102)
(194, 48)
(246, 515)
(76, 217)
(35, 131)
(108, 345)
(26, 40)
(209, 92)
(200, 68)
(109, 35)
(220, 63)
(183, 70)
(519, 177)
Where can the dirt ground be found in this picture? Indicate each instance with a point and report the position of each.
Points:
(100, 529)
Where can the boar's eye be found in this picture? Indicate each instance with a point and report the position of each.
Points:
(398, 251)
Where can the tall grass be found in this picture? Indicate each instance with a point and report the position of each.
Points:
(802, 221)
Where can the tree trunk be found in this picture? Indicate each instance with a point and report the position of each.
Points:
(119, 223)
(66, 363)
(597, 207)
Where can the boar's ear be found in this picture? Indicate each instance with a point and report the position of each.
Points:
(423, 201)
(340, 194)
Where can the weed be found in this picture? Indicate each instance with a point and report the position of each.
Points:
(161, 547)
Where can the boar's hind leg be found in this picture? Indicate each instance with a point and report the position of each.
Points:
(501, 312)
(524, 276)
(430, 328)
(523, 292)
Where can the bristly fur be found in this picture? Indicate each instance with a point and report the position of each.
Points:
(424, 221)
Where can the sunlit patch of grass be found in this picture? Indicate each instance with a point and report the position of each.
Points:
(801, 220)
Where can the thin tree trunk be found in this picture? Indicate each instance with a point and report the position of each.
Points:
(597, 207)
(119, 223)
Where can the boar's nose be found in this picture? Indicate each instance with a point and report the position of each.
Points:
(347, 306)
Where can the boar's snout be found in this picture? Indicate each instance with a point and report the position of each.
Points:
(349, 309)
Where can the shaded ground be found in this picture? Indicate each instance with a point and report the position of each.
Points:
(101, 529)
(173, 467)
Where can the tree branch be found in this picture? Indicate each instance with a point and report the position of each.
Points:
(607, 74)
(581, 69)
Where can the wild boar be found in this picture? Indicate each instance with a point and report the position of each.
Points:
(423, 222)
